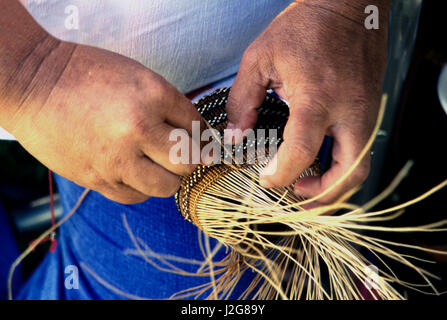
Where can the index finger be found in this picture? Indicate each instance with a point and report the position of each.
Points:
(179, 112)
(303, 136)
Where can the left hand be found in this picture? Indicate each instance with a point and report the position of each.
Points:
(319, 56)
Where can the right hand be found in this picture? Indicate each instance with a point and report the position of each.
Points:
(105, 125)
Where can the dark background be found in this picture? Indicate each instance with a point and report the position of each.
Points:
(421, 135)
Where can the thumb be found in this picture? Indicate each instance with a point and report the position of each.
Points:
(246, 95)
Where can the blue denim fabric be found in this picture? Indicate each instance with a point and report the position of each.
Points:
(9, 251)
(95, 235)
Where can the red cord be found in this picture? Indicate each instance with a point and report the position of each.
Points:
(50, 180)
(52, 236)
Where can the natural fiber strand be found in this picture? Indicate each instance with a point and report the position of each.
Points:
(32, 246)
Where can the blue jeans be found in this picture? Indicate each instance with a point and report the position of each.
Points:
(9, 251)
(96, 244)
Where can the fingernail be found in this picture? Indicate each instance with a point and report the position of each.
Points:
(270, 168)
(265, 183)
(267, 171)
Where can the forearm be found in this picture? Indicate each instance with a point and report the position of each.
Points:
(31, 61)
(352, 10)
(336, 29)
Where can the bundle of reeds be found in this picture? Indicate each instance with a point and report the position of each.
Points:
(296, 253)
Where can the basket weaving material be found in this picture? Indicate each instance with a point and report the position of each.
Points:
(272, 114)
(295, 252)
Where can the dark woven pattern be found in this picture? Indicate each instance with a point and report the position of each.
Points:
(272, 114)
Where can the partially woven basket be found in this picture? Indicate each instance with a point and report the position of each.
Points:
(294, 253)
(272, 114)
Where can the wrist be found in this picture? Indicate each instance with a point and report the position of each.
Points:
(28, 82)
(357, 4)
(352, 10)
(31, 62)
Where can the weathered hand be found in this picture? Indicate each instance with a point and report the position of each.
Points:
(319, 56)
(105, 124)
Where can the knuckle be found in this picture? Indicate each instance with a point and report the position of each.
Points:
(313, 109)
(153, 84)
(256, 65)
(95, 180)
(363, 114)
(140, 129)
(168, 190)
(361, 111)
(139, 81)
(125, 193)
(250, 57)
(317, 93)
(186, 170)
(116, 162)
(233, 106)
(130, 124)
(158, 182)
(136, 198)
(361, 103)
(297, 149)
(160, 187)
(126, 198)
(153, 183)
(137, 126)
(333, 196)
(162, 96)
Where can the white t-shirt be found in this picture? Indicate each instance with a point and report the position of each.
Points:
(190, 42)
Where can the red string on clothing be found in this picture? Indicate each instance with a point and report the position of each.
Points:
(52, 236)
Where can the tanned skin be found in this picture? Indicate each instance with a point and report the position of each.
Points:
(319, 56)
